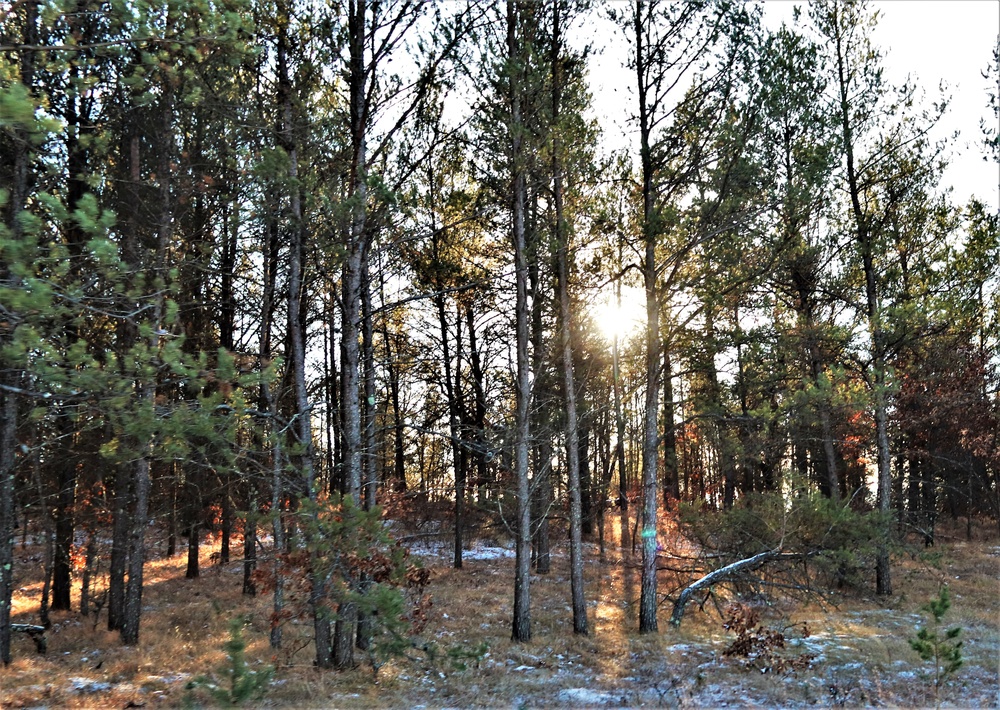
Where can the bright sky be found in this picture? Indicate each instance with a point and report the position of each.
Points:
(932, 41)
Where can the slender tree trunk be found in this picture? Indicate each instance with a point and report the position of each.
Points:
(521, 626)
(365, 625)
(620, 432)
(227, 518)
(64, 527)
(89, 571)
(147, 390)
(865, 239)
(250, 542)
(194, 546)
(449, 387)
(648, 594)
(393, 372)
(569, 379)
(269, 405)
(671, 477)
(480, 406)
(120, 524)
(8, 442)
(356, 253)
(302, 428)
(137, 550)
(16, 201)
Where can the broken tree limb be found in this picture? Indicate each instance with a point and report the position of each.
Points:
(37, 634)
(720, 575)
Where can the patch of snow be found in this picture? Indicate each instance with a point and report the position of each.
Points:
(586, 696)
(168, 679)
(86, 685)
(524, 668)
(487, 552)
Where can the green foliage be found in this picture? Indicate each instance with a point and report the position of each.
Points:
(360, 565)
(943, 651)
(459, 656)
(836, 542)
(240, 684)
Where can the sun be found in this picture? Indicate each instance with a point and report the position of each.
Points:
(624, 320)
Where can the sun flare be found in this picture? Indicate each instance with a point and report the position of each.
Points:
(624, 319)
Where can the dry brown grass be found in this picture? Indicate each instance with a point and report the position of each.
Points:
(863, 656)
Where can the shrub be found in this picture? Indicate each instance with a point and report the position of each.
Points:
(241, 684)
(944, 652)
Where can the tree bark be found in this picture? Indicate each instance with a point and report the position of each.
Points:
(865, 240)
(521, 625)
(648, 595)
(569, 379)
(356, 252)
(720, 575)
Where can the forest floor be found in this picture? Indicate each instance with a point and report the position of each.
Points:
(859, 648)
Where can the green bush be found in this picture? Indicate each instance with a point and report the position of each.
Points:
(835, 544)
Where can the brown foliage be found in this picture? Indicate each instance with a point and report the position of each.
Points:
(759, 645)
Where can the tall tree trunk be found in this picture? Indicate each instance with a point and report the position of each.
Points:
(648, 594)
(302, 427)
(147, 390)
(569, 379)
(620, 432)
(480, 406)
(356, 252)
(671, 479)
(8, 442)
(541, 445)
(449, 391)
(521, 624)
(365, 625)
(120, 523)
(392, 368)
(865, 239)
(64, 526)
(17, 199)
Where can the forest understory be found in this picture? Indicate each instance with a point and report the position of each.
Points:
(856, 652)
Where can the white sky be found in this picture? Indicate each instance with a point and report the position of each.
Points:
(932, 41)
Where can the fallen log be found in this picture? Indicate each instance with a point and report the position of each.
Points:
(37, 634)
(720, 575)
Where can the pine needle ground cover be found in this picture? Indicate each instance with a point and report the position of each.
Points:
(856, 651)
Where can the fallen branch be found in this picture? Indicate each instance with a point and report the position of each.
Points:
(720, 575)
(37, 634)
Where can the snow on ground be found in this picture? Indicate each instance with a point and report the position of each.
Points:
(478, 551)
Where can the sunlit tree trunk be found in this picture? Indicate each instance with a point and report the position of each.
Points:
(566, 324)
(648, 594)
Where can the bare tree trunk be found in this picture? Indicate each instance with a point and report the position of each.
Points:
(480, 407)
(8, 442)
(648, 594)
(356, 249)
(16, 201)
(137, 549)
(147, 390)
(569, 380)
(89, 572)
(120, 524)
(671, 477)
(521, 626)
(620, 433)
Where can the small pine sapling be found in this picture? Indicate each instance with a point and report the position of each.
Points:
(242, 684)
(945, 652)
